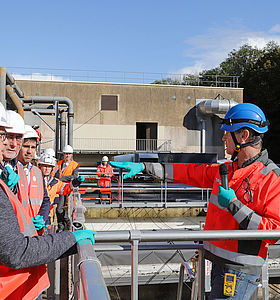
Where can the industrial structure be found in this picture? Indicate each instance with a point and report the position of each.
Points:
(145, 222)
(111, 118)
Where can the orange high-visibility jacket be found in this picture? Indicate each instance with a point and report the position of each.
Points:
(257, 187)
(68, 171)
(68, 174)
(104, 181)
(34, 191)
(25, 283)
(53, 188)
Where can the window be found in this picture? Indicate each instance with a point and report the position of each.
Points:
(109, 102)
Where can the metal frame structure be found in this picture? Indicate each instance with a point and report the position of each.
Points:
(90, 276)
(163, 189)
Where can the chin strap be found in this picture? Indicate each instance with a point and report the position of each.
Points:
(239, 146)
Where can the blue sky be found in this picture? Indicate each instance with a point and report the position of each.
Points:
(149, 36)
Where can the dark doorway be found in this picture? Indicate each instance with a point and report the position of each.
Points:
(146, 136)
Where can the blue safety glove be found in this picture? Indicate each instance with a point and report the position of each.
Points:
(12, 179)
(81, 178)
(133, 168)
(84, 234)
(225, 196)
(39, 222)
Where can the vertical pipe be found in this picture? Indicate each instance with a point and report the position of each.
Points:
(56, 145)
(3, 72)
(70, 128)
(202, 136)
(62, 130)
(134, 270)
(57, 279)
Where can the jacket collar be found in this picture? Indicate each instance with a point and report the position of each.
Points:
(262, 157)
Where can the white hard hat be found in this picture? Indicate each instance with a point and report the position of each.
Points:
(49, 151)
(35, 156)
(3, 117)
(16, 122)
(47, 160)
(105, 158)
(30, 133)
(67, 149)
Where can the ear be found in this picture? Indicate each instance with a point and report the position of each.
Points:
(245, 135)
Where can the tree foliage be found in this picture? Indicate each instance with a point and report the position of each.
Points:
(259, 75)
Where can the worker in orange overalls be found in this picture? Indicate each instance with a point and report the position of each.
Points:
(252, 201)
(105, 172)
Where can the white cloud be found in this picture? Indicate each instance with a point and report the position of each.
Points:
(275, 29)
(208, 50)
(38, 76)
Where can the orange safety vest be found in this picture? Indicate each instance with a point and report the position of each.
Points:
(25, 283)
(34, 191)
(105, 181)
(69, 169)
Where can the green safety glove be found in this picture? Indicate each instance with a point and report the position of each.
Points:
(12, 178)
(81, 178)
(225, 196)
(133, 168)
(84, 234)
(39, 222)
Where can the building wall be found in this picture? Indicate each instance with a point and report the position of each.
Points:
(165, 105)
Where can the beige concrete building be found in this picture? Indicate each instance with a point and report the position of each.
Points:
(133, 117)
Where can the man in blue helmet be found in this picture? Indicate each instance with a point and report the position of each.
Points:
(252, 201)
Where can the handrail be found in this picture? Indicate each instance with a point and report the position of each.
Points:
(185, 235)
(91, 278)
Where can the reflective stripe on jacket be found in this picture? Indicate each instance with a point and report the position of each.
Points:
(25, 283)
(103, 181)
(22, 186)
(36, 191)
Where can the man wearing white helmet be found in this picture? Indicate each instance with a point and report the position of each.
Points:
(69, 170)
(105, 172)
(32, 181)
(23, 254)
(12, 145)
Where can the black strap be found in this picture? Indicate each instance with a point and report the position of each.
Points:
(234, 121)
(238, 146)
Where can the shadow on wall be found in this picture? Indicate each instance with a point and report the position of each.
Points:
(192, 121)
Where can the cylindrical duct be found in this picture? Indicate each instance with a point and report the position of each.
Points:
(210, 106)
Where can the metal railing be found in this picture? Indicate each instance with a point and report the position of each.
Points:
(135, 237)
(163, 189)
(91, 281)
(113, 144)
(48, 74)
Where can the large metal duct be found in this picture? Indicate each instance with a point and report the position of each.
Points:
(14, 97)
(7, 84)
(210, 106)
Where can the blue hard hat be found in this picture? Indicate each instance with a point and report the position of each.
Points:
(245, 115)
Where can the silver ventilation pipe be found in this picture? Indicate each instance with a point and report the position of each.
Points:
(211, 107)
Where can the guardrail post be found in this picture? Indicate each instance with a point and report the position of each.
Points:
(201, 275)
(135, 237)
